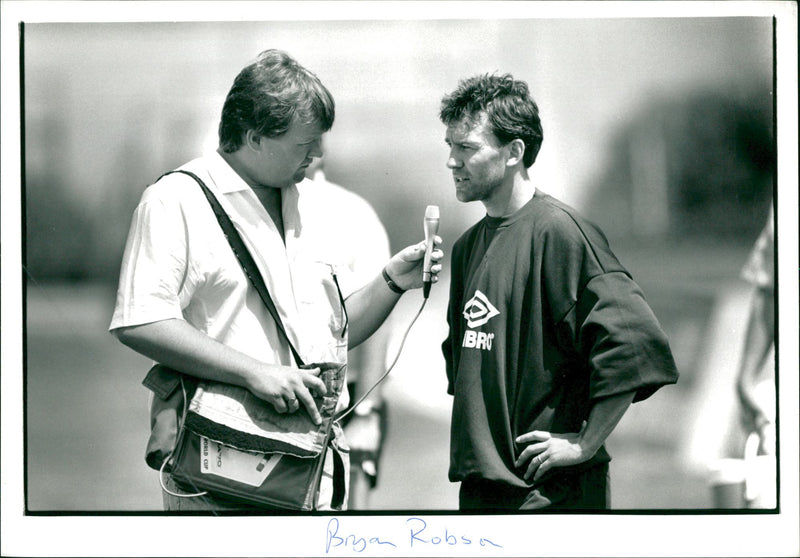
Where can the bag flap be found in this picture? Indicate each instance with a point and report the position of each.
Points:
(235, 417)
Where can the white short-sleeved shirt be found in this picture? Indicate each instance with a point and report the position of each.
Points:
(178, 264)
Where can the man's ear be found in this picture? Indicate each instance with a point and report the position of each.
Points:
(516, 151)
(252, 139)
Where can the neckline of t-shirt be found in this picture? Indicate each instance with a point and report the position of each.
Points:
(499, 222)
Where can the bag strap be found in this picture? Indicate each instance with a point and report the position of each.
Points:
(245, 258)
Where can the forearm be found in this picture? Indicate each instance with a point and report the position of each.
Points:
(177, 344)
(748, 378)
(371, 305)
(603, 418)
(368, 308)
(758, 342)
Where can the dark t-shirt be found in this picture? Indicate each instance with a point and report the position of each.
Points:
(544, 321)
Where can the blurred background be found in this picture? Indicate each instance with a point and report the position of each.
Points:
(659, 130)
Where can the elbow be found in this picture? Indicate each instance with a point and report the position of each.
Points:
(353, 343)
(745, 395)
(743, 388)
(118, 333)
(126, 335)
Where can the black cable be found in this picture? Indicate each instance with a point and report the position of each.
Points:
(391, 366)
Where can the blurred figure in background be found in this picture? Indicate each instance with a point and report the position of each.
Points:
(183, 298)
(360, 244)
(755, 383)
(550, 338)
(745, 474)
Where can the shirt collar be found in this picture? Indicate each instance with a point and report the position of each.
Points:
(227, 181)
(225, 178)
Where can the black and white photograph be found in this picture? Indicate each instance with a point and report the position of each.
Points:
(399, 279)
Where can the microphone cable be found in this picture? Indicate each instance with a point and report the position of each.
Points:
(391, 366)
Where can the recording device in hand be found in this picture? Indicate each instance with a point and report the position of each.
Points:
(431, 226)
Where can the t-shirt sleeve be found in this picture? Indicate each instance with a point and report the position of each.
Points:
(621, 340)
(154, 265)
(602, 314)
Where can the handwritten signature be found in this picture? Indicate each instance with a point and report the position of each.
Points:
(415, 532)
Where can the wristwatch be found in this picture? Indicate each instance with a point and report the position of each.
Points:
(392, 285)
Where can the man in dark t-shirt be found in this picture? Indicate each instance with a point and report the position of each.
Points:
(550, 339)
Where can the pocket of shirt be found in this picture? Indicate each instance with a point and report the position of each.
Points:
(319, 295)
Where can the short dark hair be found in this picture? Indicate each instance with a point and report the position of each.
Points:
(511, 111)
(268, 94)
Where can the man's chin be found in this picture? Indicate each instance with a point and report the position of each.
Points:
(464, 197)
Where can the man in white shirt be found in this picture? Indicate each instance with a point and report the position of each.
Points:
(183, 299)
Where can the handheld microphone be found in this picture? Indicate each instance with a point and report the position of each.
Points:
(431, 226)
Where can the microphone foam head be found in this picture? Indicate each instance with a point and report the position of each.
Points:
(432, 212)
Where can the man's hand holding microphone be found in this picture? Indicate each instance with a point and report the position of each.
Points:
(419, 265)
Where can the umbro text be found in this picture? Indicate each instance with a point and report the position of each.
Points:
(478, 340)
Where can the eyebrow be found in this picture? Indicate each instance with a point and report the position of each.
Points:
(464, 141)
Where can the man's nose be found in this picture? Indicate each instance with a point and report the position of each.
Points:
(316, 149)
(453, 163)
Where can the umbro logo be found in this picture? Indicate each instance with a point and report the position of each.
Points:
(478, 310)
